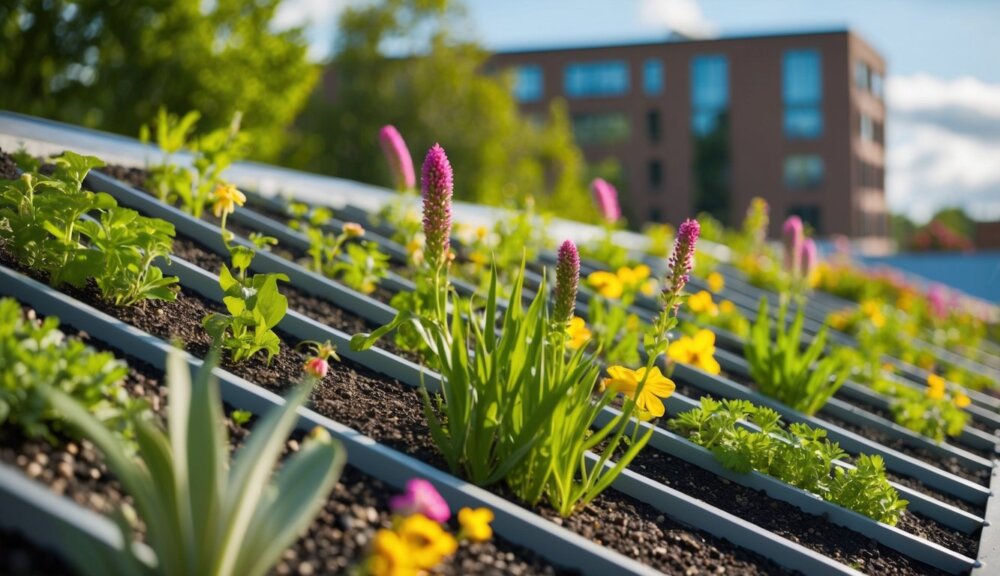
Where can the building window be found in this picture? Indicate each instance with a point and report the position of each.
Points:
(605, 78)
(861, 73)
(870, 175)
(810, 215)
(655, 175)
(871, 130)
(653, 126)
(802, 92)
(709, 92)
(710, 162)
(605, 128)
(652, 77)
(655, 215)
(803, 171)
(529, 84)
(877, 85)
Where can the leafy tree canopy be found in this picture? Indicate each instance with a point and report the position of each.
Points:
(110, 64)
(402, 62)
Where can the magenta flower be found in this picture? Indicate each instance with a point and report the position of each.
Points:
(317, 367)
(437, 184)
(793, 238)
(681, 259)
(810, 257)
(567, 281)
(398, 156)
(606, 198)
(420, 498)
(937, 299)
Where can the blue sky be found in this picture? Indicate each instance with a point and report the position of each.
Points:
(943, 141)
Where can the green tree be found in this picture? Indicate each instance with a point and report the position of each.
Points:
(110, 64)
(957, 220)
(399, 62)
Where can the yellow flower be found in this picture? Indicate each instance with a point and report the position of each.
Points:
(961, 400)
(649, 287)
(426, 541)
(632, 277)
(481, 232)
(838, 320)
(578, 332)
(353, 230)
(227, 198)
(716, 282)
(701, 303)
(626, 381)
(477, 258)
(607, 284)
(476, 523)
(935, 387)
(415, 249)
(698, 351)
(873, 311)
(390, 556)
(726, 307)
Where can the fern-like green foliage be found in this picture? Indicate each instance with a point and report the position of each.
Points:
(783, 371)
(34, 354)
(799, 455)
(203, 516)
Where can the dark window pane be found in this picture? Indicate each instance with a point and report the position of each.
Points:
(653, 125)
(601, 128)
(803, 171)
(655, 174)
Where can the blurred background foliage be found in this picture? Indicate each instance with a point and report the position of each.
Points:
(111, 64)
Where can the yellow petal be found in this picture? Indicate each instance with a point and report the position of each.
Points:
(704, 340)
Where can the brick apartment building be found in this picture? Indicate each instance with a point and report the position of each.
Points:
(706, 125)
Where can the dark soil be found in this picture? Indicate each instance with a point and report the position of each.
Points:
(357, 507)
(787, 520)
(8, 169)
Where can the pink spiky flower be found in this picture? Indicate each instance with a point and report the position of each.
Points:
(567, 281)
(437, 184)
(793, 239)
(606, 198)
(681, 259)
(421, 498)
(398, 156)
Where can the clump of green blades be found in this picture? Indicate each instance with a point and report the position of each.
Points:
(783, 371)
(203, 516)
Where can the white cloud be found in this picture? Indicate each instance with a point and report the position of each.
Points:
(943, 146)
(681, 16)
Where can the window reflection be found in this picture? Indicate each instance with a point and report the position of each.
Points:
(529, 83)
(802, 92)
(605, 78)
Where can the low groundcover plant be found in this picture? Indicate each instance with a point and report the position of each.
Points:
(799, 455)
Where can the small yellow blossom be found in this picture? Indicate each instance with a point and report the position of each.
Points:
(607, 284)
(838, 320)
(227, 198)
(872, 310)
(626, 381)
(482, 232)
(649, 287)
(701, 303)
(633, 277)
(476, 523)
(390, 556)
(716, 282)
(415, 250)
(353, 230)
(698, 351)
(477, 258)
(961, 400)
(578, 333)
(726, 307)
(935, 387)
(427, 542)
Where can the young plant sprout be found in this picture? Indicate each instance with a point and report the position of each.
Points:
(254, 303)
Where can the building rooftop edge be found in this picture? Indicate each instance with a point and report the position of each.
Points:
(673, 39)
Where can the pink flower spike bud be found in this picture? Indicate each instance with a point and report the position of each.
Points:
(606, 198)
(398, 156)
(793, 238)
(682, 258)
(437, 184)
(420, 498)
(567, 281)
(317, 367)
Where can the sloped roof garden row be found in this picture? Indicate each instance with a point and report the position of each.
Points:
(506, 402)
